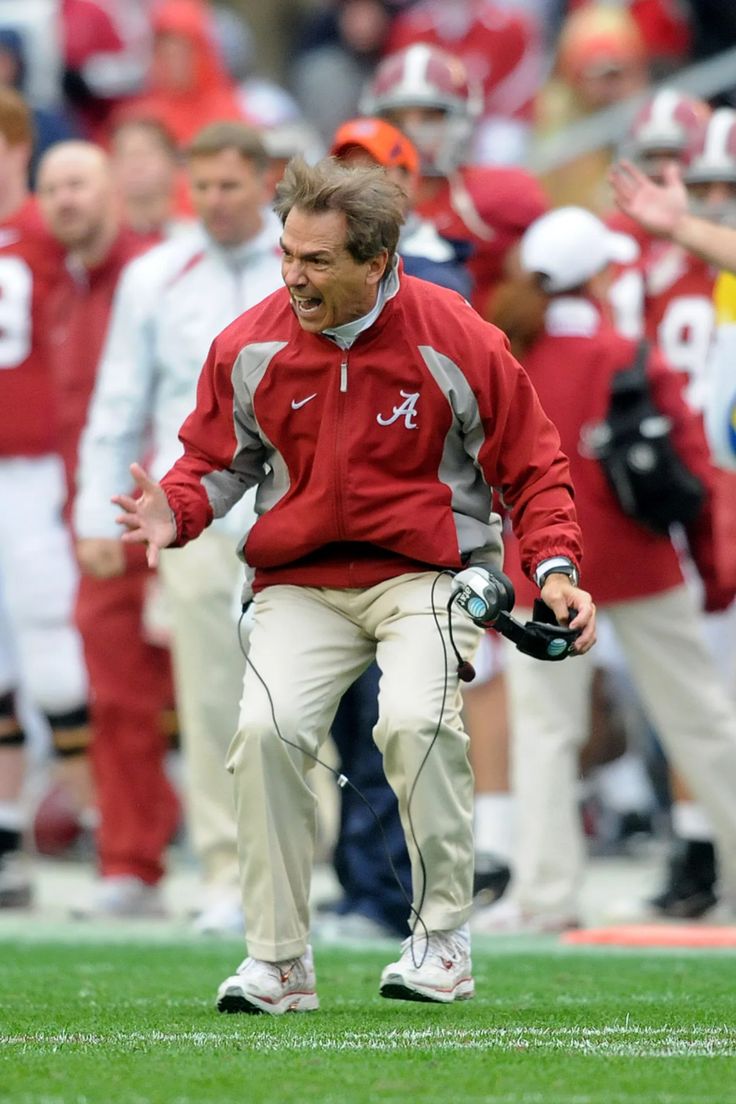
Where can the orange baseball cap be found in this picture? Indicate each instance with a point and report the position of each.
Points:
(385, 144)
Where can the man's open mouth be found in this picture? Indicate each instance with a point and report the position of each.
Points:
(306, 306)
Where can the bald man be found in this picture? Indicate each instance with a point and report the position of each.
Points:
(130, 677)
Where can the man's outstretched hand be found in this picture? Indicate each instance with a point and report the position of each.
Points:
(656, 207)
(148, 518)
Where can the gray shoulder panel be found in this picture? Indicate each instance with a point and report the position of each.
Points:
(478, 528)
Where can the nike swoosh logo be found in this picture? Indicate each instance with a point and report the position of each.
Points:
(302, 402)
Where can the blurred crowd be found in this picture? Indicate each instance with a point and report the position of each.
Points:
(140, 145)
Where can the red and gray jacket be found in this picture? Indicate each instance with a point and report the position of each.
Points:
(377, 460)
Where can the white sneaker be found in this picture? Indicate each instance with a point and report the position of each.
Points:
(436, 967)
(273, 987)
(350, 928)
(123, 897)
(506, 917)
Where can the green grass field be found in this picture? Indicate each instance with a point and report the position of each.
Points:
(134, 1023)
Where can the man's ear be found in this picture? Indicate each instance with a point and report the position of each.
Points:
(377, 267)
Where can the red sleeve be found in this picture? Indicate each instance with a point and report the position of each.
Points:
(522, 452)
(516, 69)
(208, 436)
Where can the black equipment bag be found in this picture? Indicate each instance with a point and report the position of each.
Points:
(634, 447)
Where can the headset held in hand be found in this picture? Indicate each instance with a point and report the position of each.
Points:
(487, 596)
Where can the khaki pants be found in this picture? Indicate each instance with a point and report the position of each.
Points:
(662, 640)
(308, 645)
(200, 582)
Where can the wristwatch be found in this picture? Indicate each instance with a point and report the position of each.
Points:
(563, 568)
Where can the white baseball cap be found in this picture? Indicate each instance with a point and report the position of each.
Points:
(570, 245)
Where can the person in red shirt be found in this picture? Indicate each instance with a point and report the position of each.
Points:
(571, 352)
(40, 647)
(678, 311)
(375, 412)
(429, 94)
(502, 52)
(667, 130)
(130, 676)
(187, 86)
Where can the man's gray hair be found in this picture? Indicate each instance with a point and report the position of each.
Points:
(372, 204)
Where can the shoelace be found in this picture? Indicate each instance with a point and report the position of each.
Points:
(280, 971)
(439, 947)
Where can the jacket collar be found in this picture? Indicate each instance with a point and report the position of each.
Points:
(345, 335)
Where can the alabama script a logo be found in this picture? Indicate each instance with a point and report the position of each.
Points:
(407, 411)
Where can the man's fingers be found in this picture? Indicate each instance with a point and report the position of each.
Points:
(134, 536)
(129, 521)
(630, 174)
(672, 174)
(626, 180)
(125, 502)
(142, 477)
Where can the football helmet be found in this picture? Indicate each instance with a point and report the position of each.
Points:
(711, 176)
(426, 79)
(715, 158)
(669, 123)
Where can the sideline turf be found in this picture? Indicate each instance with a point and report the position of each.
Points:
(135, 1024)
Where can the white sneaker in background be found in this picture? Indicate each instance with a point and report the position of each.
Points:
(16, 886)
(349, 928)
(272, 987)
(432, 967)
(222, 915)
(506, 917)
(123, 897)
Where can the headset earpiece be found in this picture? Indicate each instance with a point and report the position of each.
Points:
(507, 596)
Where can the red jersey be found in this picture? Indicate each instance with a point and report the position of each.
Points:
(500, 49)
(30, 260)
(78, 313)
(571, 365)
(679, 312)
(626, 293)
(490, 208)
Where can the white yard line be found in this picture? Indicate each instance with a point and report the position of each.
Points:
(624, 1041)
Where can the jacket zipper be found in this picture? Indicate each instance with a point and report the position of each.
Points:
(339, 502)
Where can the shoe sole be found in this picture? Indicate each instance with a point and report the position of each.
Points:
(234, 1000)
(395, 988)
(685, 908)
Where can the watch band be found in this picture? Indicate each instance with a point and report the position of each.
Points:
(568, 569)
